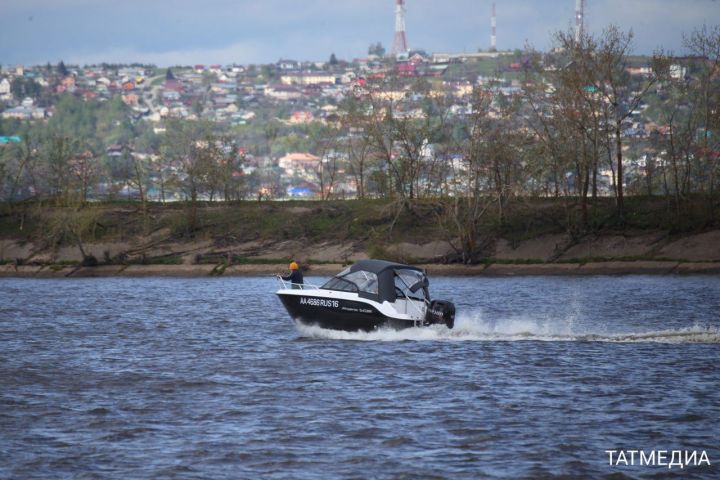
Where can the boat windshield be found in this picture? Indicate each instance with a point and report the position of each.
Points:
(411, 284)
(359, 281)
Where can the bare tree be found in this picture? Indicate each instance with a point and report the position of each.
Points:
(605, 66)
(188, 148)
(705, 43)
(17, 166)
(57, 154)
(84, 167)
(359, 160)
(325, 145)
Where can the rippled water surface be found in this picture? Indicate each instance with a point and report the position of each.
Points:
(208, 378)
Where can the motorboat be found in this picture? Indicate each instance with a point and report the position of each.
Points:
(368, 295)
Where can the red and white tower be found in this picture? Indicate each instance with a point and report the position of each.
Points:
(493, 35)
(579, 19)
(400, 43)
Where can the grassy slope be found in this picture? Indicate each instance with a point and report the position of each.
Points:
(365, 221)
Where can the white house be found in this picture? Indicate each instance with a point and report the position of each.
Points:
(4, 86)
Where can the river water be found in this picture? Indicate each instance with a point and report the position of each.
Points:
(208, 378)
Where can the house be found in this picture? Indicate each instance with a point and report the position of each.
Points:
(117, 150)
(677, 71)
(301, 117)
(231, 108)
(68, 82)
(406, 69)
(170, 95)
(638, 70)
(461, 89)
(25, 113)
(283, 92)
(286, 65)
(299, 163)
(7, 140)
(173, 85)
(389, 95)
(131, 99)
(417, 58)
(309, 78)
(313, 90)
(306, 190)
(4, 86)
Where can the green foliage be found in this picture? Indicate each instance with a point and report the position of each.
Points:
(62, 69)
(22, 87)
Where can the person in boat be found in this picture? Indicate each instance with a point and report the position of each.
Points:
(295, 277)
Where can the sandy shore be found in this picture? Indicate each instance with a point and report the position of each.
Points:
(493, 270)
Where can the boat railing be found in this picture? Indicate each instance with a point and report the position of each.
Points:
(413, 302)
(286, 285)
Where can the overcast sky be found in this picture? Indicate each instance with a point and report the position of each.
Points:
(169, 32)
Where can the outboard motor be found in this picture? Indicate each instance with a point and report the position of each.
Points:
(442, 312)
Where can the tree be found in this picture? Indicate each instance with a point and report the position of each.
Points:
(705, 43)
(376, 49)
(462, 215)
(606, 67)
(17, 168)
(189, 148)
(231, 179)
(57, 154)
(22, 87)
(678, 144)
(580, 115)
(74, 223)
(62, 69)
(359, 162)
(400, 132)
(324, 140)
(579, 111)
(84, 167)
(139, 177)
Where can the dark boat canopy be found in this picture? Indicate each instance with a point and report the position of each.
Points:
(381, 281)
(377, 266)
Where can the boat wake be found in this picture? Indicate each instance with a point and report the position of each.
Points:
(473, 327)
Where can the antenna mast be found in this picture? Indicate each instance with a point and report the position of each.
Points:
(579, 20)
(493, 26)
(400, 43)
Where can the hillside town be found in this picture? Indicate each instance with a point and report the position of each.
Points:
(279, 119)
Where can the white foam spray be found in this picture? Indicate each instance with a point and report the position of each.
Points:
(471, 326)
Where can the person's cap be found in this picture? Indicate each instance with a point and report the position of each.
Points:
(293, 266)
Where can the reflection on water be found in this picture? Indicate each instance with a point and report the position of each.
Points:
(208, 378)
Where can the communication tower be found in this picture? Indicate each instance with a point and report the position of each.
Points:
(579, 19)
(493, 26)
(400, 43)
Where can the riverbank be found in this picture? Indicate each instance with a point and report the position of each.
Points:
(258, 238)
(324, 270)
